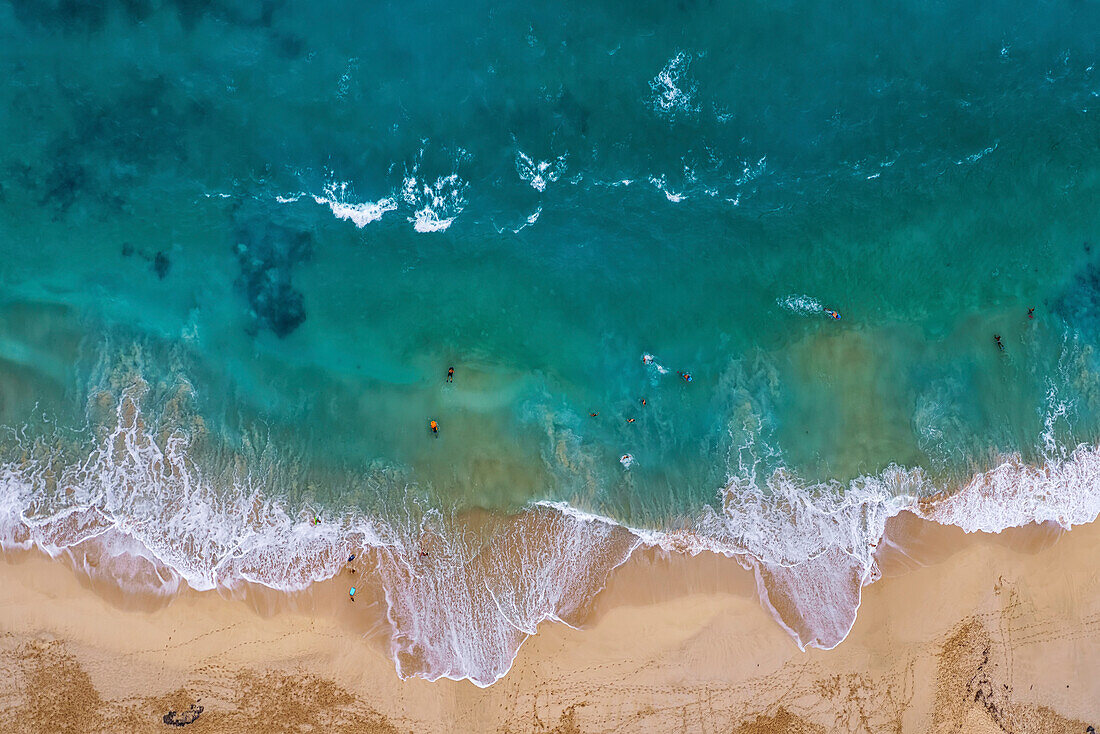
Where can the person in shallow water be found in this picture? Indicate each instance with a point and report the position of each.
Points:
(450, 374)
(434, 426)
(1000, 345)
(834, 314)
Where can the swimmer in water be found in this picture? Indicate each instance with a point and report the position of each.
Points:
(997, 338)
(1031, 313)
(629, 420)
(685, 375)
(834, 314)
(450, 374)
(642, 401)
(435, 428)
(594, 414)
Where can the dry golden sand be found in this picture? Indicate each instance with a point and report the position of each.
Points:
(965, 634)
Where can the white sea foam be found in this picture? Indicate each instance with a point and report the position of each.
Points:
(435, 204)
(460, 605)
(975, 157)
(459, 611)
(800, 304)
(467, 616)
(344, 84)
(752, 171)
(673, 88)
(651, 362)
(661, 184)
(1065, 491)
(539, 173)
(335, 197)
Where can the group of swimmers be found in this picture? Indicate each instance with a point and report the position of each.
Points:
(433, 424)
(997, 337)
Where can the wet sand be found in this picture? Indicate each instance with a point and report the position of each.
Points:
(964, 633)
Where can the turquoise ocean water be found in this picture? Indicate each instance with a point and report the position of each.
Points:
(242, 242)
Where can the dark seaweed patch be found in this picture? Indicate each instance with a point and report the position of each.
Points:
(268, 254)
(161, 264)
(112, 143)
(65, 182)
(288, 46)
(92, 15)
(83, 15)
(1079, 304)
(183, 718)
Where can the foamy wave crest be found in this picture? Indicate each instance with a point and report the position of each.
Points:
(460, 602)
(435, 204)
(673, 89)
(811, 546)
(800, 304)
(463, 609)
(151, 492)
(539, 173)
(335, 197)
(1065, 491)
(462, 599)
(661, 184)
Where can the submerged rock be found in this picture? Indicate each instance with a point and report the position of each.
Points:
(183, 718)
(268, 254)
(161, 264)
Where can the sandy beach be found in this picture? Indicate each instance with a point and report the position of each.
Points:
(964, 633)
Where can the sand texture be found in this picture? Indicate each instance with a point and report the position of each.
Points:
(963, 634)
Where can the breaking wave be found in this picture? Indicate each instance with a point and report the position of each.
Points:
(673, 88)
(335, 197)
(461, 599)
(800, 304)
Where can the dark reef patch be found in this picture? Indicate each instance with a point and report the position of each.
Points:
(112, 144)
(161, 264)
(92, 15)
(268, 253)
(63, 184)
(1079, 303)
(70, 15)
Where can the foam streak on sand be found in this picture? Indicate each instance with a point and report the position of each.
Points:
(461, 603)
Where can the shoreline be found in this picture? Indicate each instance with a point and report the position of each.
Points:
(1011, 619)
